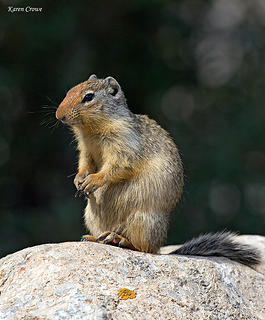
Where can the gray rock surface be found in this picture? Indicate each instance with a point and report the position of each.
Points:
(78, 280)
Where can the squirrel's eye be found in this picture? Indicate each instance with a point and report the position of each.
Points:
(88, 97)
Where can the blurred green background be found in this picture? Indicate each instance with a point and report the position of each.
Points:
(197, 67)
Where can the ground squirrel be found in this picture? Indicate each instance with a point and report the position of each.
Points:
(131, 173)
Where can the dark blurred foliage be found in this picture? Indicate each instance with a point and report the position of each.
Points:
(197, 67)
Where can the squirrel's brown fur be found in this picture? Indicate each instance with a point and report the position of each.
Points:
(129, 167)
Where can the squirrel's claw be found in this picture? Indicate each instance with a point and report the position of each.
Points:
(91, 191)
(80, 192)
(88, 237)
(77, 194)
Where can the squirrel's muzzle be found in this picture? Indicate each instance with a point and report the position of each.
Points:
(60, 114)
(61, 118)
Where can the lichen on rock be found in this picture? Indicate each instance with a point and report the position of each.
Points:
(125, 293)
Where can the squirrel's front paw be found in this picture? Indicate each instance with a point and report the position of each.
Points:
(91, 183)
(79, 179)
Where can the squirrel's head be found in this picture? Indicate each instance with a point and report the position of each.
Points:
(92, 103)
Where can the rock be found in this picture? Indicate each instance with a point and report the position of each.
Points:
(82, 280)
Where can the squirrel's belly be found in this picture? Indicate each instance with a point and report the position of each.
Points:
(110, 206)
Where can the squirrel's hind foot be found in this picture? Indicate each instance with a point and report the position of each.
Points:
(111, 238)
(115, 239)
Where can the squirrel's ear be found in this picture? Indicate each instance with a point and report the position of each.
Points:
(112, 86)
(93, 76)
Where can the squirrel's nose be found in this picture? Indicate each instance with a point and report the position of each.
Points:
(59, 116)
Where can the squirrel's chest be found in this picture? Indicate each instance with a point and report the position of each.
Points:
(95, 152)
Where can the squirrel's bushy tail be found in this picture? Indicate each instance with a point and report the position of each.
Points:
(220, 244)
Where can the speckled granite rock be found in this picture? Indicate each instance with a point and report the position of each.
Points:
(80, 280)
